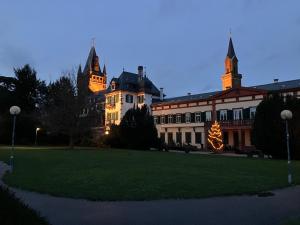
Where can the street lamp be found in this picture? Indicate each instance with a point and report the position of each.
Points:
(36, 133)
(287, 115)
(14, 111)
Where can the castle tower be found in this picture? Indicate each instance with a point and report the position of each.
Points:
(92, 72)
(231, 78)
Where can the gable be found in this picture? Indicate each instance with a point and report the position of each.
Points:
(239, 92)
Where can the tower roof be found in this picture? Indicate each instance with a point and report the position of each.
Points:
(90, 61)
(104, 69)
(230, 52)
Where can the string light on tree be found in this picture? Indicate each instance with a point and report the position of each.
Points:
(215, 138)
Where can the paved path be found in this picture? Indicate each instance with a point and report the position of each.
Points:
(236, 210)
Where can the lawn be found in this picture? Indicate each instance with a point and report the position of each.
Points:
(139, 175)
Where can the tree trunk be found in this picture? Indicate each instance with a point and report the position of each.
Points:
(71, 140)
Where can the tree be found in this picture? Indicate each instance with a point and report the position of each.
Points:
(136, 130)
(28, 92)
(215, 138)
(268, 133)
(61, 112)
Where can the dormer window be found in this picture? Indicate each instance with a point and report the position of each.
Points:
(113, 86)
(140, 99)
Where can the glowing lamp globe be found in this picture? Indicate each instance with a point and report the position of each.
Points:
(14, 110)
(286, 115)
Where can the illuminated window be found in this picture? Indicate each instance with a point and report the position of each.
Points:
(162, 119)
(252, 112)
(178, 118)
(188, 117)
(198, 117)
(223, 114)
(170, 119)
(238, 114)
(140, 99)
(208, 116)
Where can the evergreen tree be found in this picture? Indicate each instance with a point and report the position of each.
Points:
(215, 137)
(268, 133)
(136, 130)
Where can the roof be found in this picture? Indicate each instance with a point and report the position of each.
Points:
(278, 86)
(128, 81)
(231, 52)
(201, 96)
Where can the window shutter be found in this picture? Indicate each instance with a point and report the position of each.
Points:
(203, 117)
(166, 119)
(192, 117)
(174, 118)
(246, 113)
(230, 114)
(183, 118)
(218, 115)
(158, 119)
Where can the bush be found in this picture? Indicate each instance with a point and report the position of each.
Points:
(136, 131)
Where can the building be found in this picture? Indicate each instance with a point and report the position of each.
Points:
(187, 119)
(127, 91)
(91, 83)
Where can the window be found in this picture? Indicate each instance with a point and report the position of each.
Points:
(129, 98)
(155, 119)
(225, 138)
(238, 114)
(162, 119)
(223, 114)
(188, 137)
(162, 137)
(178, 118)
(140, 99)
(108, 116)
(113, 85)
(198, 139)
(116, 98)
(178, 137)
(188, 117)
(170, 119)
(252, 112)
(170, 138)
(198, 117)
(208, 115)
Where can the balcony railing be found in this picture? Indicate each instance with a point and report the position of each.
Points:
(232, 123)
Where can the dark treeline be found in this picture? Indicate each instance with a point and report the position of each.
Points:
(54, 107)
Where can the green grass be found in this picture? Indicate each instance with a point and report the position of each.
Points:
(139, 175)
(13, 211)
(294, 221)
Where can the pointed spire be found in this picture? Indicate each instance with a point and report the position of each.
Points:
(230, 52)
(79, 72)
(104, 69)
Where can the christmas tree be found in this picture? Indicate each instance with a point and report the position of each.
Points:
(215, 138)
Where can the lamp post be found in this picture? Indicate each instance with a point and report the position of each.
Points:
(287, 115)
(14, 111)
(36, 133)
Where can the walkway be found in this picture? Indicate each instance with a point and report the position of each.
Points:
(239, 210)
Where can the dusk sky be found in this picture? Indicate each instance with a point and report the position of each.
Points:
(182, 43)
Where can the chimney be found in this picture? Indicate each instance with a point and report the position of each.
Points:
(276, 80)
(140, 71)
(161, 94)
